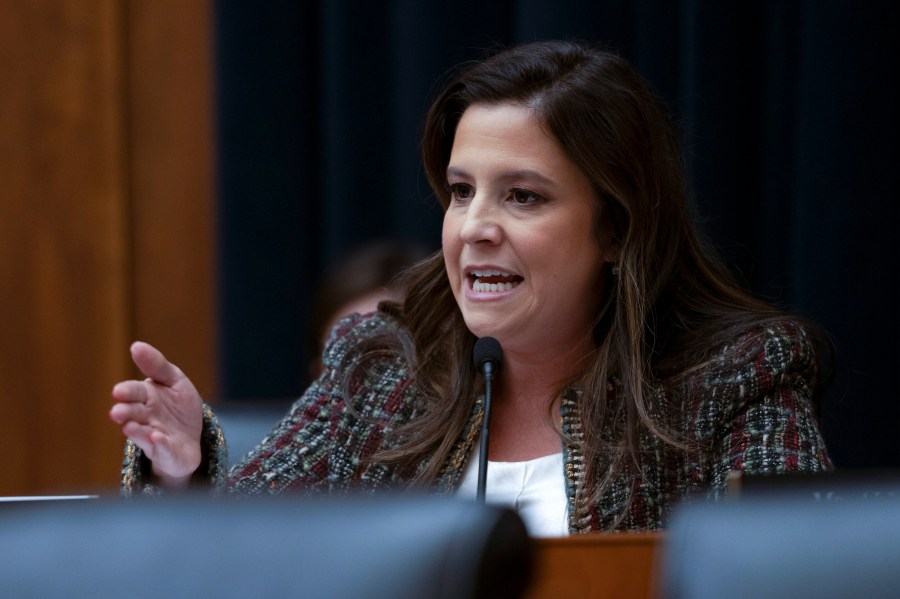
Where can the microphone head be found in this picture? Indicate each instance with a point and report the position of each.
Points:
(487, 349)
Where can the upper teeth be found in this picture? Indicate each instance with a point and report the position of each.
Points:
(481, 287)
(490, 273)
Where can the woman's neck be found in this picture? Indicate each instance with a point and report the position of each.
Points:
(528, 376)
(525, 408)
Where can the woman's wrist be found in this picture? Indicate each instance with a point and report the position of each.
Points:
(177, 482)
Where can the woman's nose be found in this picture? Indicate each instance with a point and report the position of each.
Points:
(481, 223)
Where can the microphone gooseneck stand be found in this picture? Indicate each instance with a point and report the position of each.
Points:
(488, 356)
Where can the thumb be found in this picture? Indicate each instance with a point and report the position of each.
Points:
(153, 364)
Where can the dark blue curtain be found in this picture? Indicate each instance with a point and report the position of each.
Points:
(788, 112)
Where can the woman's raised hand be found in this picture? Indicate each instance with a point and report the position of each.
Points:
(163, 415)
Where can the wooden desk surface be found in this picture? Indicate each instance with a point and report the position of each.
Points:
(620, 565)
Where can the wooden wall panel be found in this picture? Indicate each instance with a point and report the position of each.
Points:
(63, 258)
(73, 238)
(171, 131)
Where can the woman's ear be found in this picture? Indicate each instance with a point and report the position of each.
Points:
(609, 252)
(609, 239)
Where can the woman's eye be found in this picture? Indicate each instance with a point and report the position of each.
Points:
(523, 196)
(461, 191)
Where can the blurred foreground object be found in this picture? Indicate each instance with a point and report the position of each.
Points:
(820, 538)
(197, 547)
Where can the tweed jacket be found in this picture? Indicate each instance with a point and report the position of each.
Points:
(749, 408)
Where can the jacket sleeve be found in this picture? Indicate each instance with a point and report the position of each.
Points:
(324, 442)
(295, 455)
(137, 478)
(760, 418)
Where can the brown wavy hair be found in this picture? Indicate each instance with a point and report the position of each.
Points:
(671, 302)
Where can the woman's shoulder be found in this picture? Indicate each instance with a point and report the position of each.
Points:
(758, 398)
(356, 333)
(776, 346)
(765, 355)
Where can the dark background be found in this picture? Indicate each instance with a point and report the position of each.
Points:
(788, 112)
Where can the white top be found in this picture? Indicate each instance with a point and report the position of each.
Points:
(536, 489)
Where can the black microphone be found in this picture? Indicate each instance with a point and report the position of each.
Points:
(488, 357)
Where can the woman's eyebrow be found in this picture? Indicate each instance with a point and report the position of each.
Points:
(514, 175)
(455, 171)
(527, 175)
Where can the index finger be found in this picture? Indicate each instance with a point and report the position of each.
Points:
(153, 364)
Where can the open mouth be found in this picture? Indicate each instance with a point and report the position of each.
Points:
(492, 281)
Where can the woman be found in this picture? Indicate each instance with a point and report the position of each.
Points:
(636, 372)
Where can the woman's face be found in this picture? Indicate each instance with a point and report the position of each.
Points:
(519, 236)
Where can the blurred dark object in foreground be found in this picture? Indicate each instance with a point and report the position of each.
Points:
(829, 535)
(397, 546)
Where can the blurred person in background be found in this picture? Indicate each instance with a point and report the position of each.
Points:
(355, 284)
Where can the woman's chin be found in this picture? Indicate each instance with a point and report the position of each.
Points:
(484, 327)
